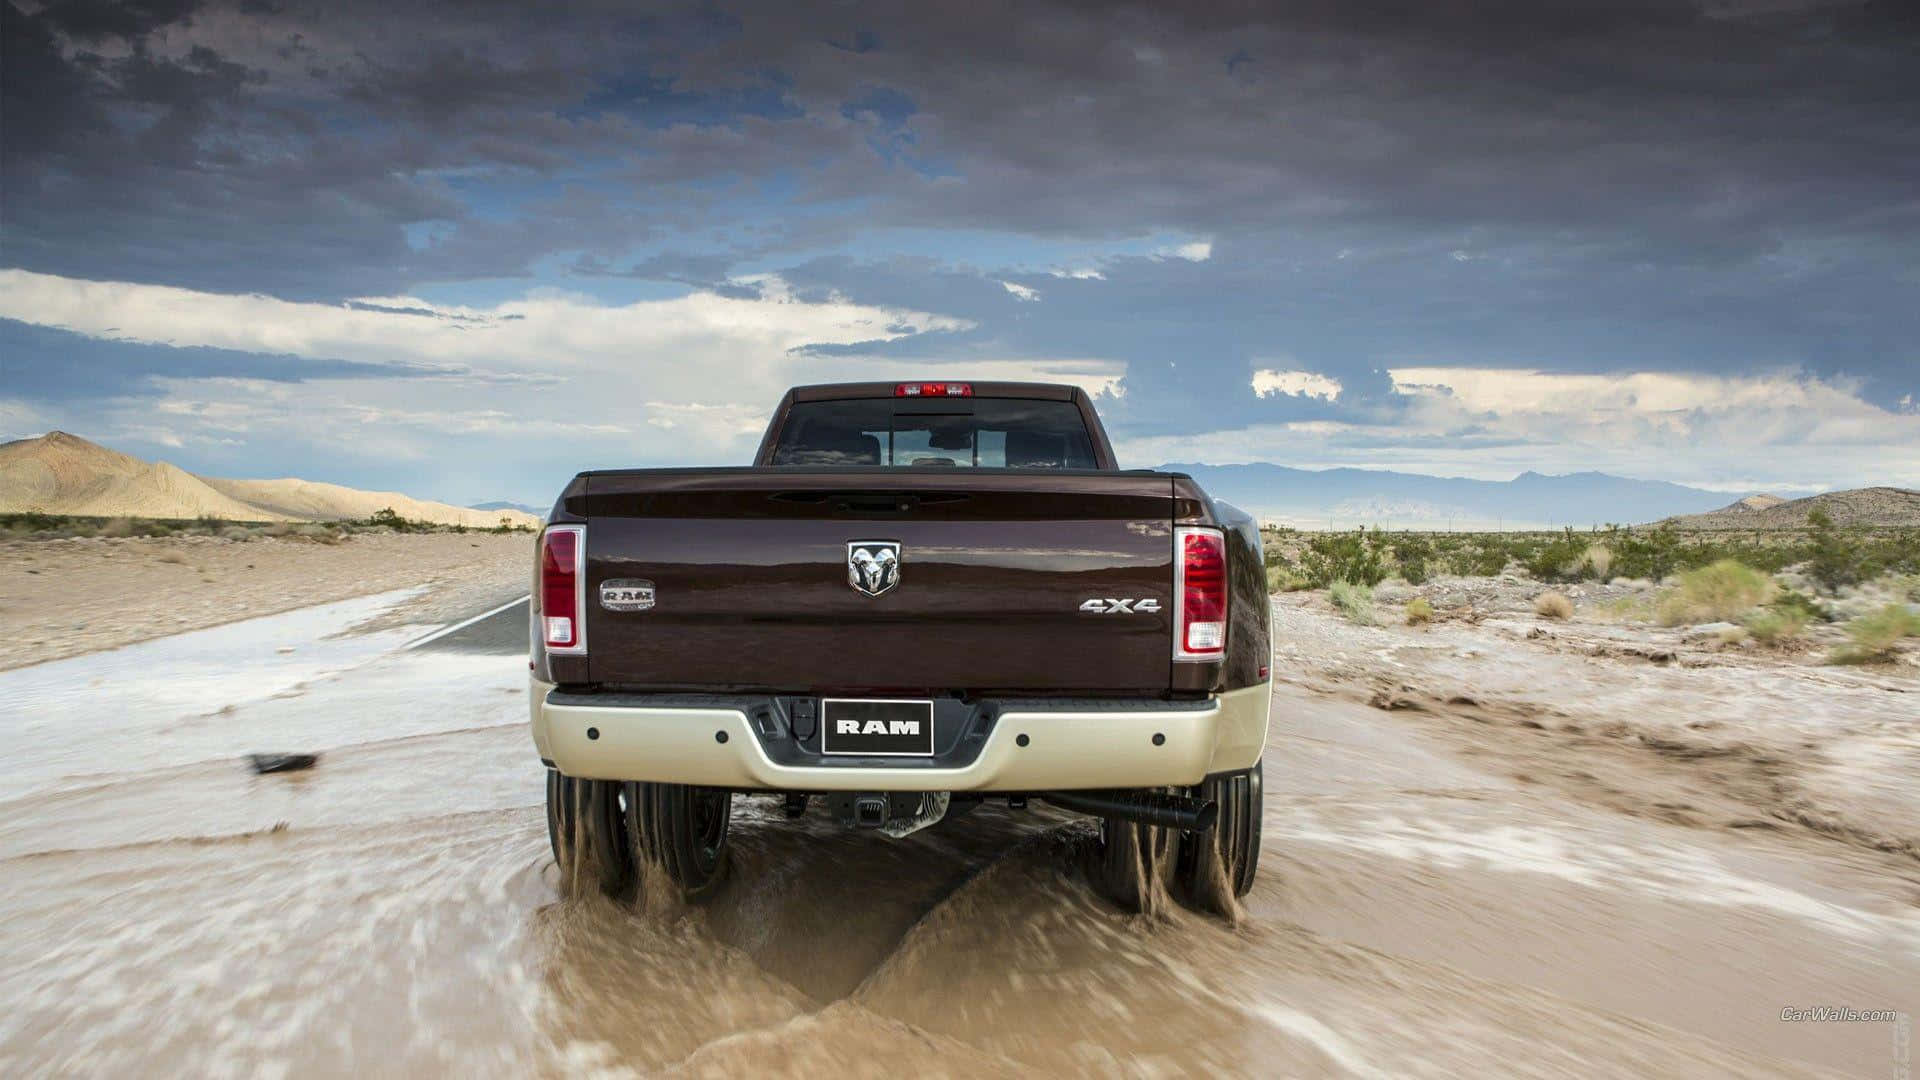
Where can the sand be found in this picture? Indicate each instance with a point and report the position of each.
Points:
(62, 598)
(64, 474)
(1651, 722)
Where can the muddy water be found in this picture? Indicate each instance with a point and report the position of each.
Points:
(395, 912)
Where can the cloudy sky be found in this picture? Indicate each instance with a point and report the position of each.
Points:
(465, 251)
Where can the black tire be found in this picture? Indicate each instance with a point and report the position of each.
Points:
(560, 820)
(1136, 862)
(683, 830)
(1235, 835)
(607, 835)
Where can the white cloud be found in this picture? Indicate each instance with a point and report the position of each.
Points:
(545, 383)
(548, 331)
(1192, 251)
(1269, 381)
(19, 420)
(535, 387)
(1726, 432)
(1020, 292)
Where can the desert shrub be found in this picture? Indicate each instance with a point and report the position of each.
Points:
(1652, 553)
(1801, 606)
(278, 528)
(33, 521)
(1412, 553)
(387, 518)
(120, 526)
(173, 557)
(1905, 586)
(1723, 591)
(1553, 605)
(1483, 556)
(1776, 625)
(1557, 559)
(1354, 600)
(1419, 611)
(1832, 561)
(236, 532)
(1349, 557)
(1286, 579)
(319, 534)
(1874, 636)
(210, 524)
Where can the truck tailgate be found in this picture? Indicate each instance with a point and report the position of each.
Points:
(750, 575)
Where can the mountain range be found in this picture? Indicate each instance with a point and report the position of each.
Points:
(1348, 498)
(59, 473)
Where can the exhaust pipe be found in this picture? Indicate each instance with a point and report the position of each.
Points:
(1145, 807)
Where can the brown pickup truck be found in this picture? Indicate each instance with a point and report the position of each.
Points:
(919, 597)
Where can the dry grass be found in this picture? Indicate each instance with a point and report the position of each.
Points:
(1875, 636)
(1353, 600)
(1628, 609)
(1597, 560)
(319, 534)
(1419, 611)
(173, 557)
(1721, 592)
(1553, 605)
(1776, 626)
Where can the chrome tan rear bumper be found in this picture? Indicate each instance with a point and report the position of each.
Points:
(1064, 749)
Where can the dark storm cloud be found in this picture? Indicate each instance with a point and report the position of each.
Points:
(1574, 186)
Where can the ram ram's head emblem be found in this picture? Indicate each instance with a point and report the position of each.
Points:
(873, 566)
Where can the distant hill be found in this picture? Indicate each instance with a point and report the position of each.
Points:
(60, 473)
(1860, 506)
(1346, 498)
(536, 511)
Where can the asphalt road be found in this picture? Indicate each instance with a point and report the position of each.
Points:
(502, 630)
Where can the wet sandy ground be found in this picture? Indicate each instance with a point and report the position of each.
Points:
(68, 597)
(1422, 910)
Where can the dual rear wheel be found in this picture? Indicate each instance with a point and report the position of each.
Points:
(614, 831)
(1211, 867)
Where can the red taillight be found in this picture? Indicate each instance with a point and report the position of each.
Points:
(933, 389)
(562, 550)
(1200, 594)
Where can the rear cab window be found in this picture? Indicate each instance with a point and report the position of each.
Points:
(983, 433)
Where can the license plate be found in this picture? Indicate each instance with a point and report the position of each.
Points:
(876, 728)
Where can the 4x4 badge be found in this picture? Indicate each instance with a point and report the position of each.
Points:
(873, 566)
(1110, 606)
